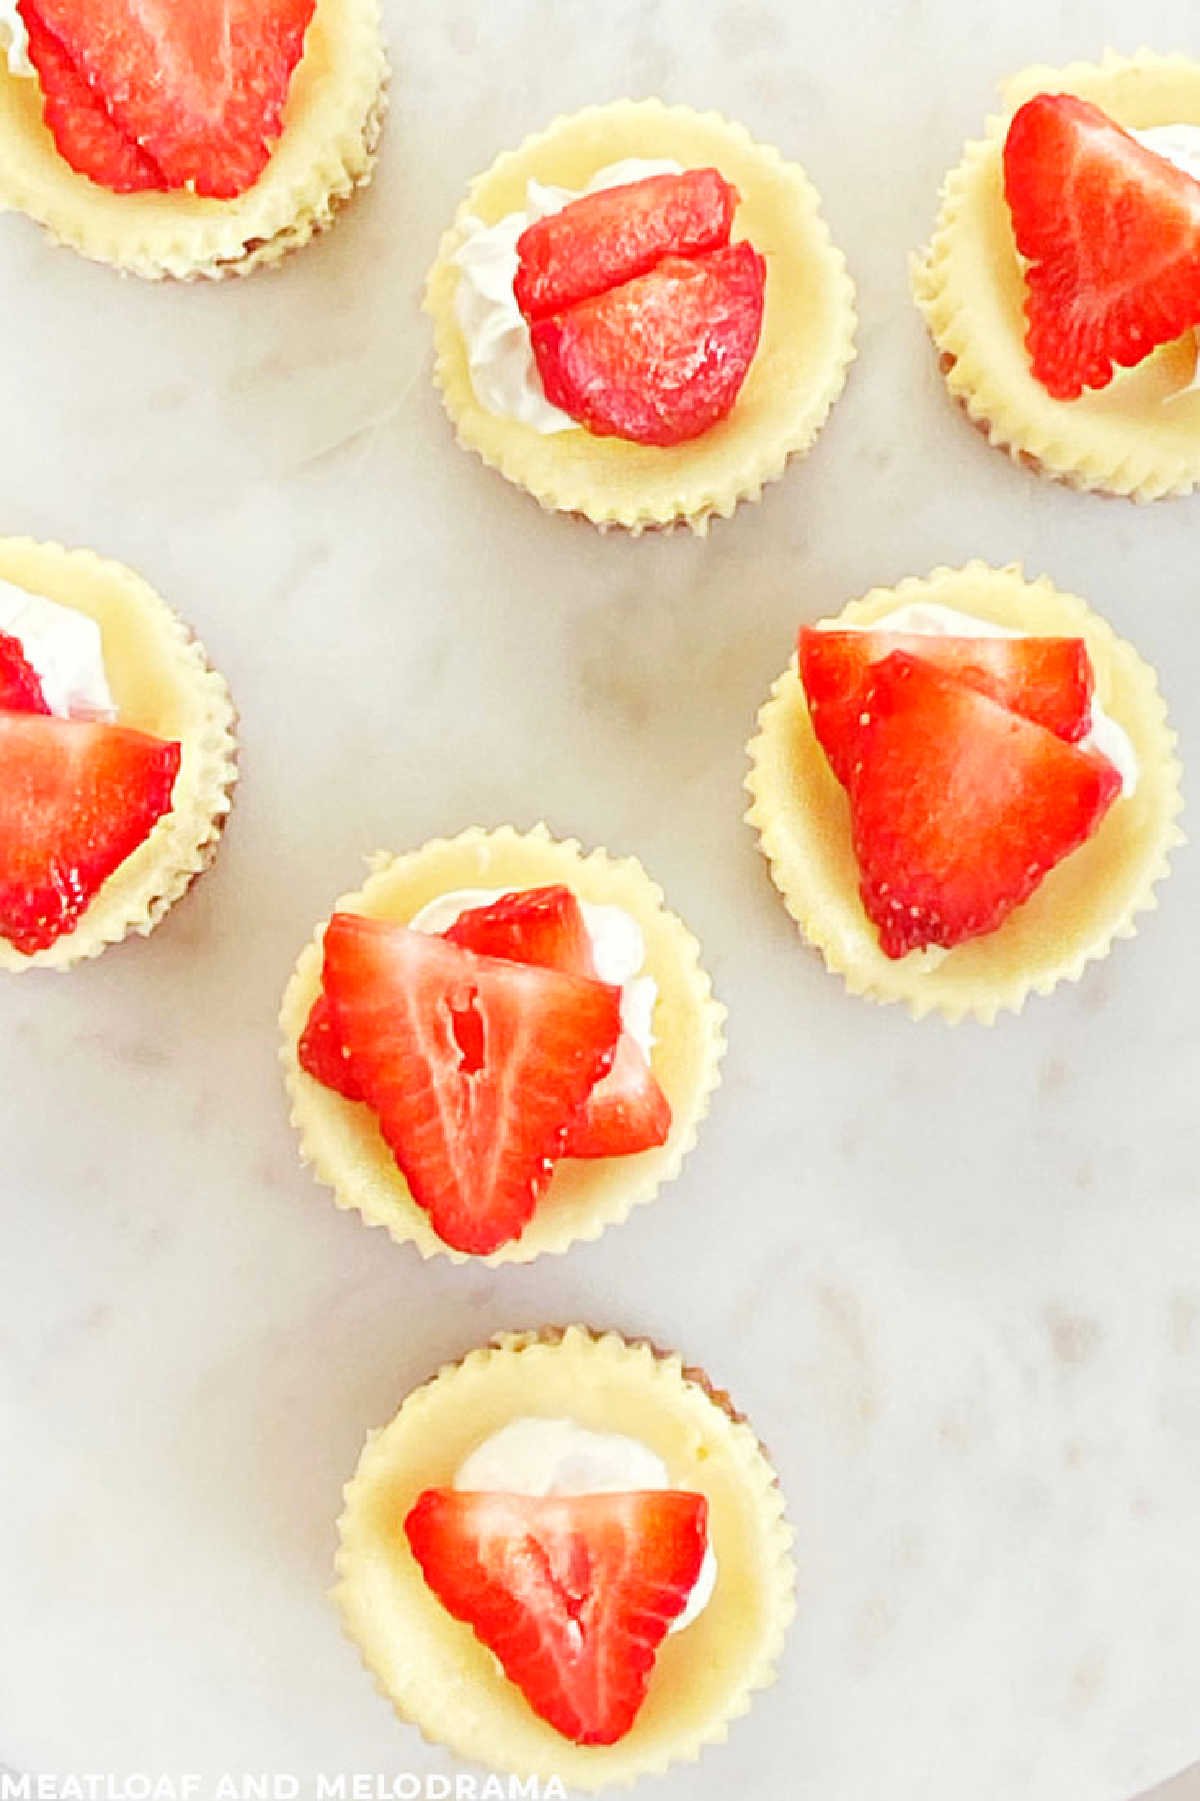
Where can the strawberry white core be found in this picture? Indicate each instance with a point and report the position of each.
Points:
(499, 352)
(532, 1456)
(65, 648)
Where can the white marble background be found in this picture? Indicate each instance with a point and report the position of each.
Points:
(954, 1277)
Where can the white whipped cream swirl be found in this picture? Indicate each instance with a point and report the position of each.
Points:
(14, 39)
(65, 649)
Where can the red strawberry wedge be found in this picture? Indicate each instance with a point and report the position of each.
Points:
(538, 925)
(78, 120)
(662, 358)
(20, 684)
(474, 1067)
(1047, 680)
(1111, 233)
(532, 925)
(199, 88)
(960, 808)
(602, 240)
(625, 1113)
(76, 799)
(573, 1594)
(322, 1054)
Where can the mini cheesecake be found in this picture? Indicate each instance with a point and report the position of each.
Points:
(499, 1045)
(117, 756)
(966, 788)
(567, 1450)
(1062, 285)
(201, 140)
(640, 316)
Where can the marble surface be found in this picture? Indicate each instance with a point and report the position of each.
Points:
(954, 1277)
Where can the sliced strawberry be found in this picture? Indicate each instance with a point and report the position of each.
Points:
(537, 925)
(573, 1594)
(531, 925)
(20, 684)
(474, 1067)
(960, 808)
(76, 799)
(601, 240)
(662, 358)
(199, 88)
(322, 1054)
(1111, 233)
(1048, 680)
(84, 131)
(625, 1113)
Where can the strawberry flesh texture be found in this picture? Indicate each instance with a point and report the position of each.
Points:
(627, 1111)
(86, 135)
(199, 89)
(1047, 680)
(605, 239)
(322, 1054)
(1111, 234)
(474, 1067)
(573, 1594)
(539, 925)
(661, 359)
(959, 808)
(20, 684)
(76, 799)
(531, 925)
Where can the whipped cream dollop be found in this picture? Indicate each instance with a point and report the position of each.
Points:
(926, 618)
(14, 39)
(65, 648)
(618, 951)
(499, 351)
(1180, 145)
(532, 1456)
